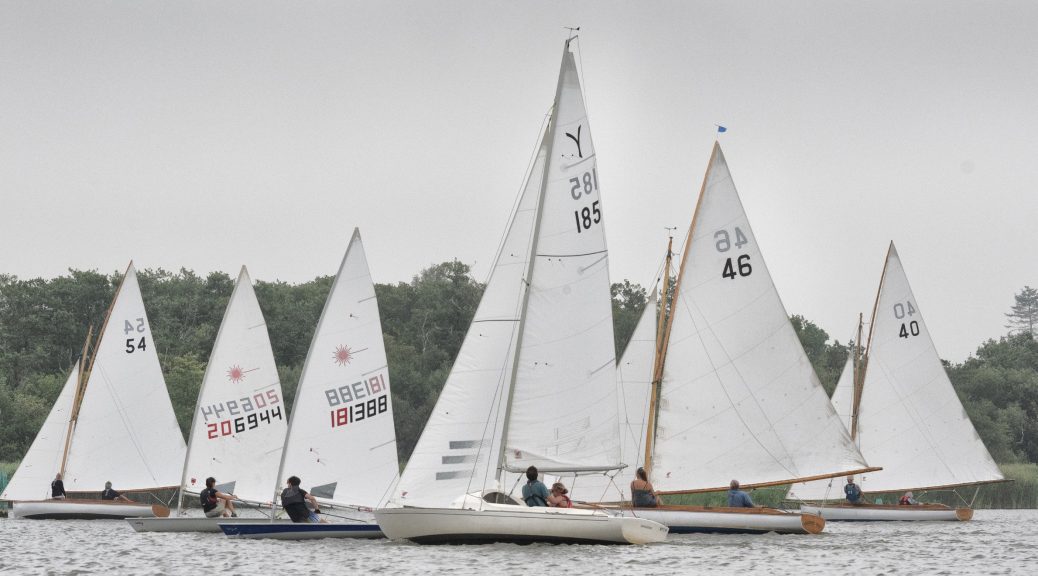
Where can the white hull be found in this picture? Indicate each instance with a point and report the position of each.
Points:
(188, 524)
(517, 524)
(879, 513)
(690, 519)
(85, 510)
(283, 530)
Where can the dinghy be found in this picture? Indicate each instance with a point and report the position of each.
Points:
(238, 427)
(341, 440)
(903, 413)
(534, 381)
(113, 421)
(732, 393)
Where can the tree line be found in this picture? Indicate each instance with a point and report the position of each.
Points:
(43, 324)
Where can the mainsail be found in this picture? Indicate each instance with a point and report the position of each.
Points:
(910, 419)
(739, 397)
(534, 381)
(341, 441)
(240, 419)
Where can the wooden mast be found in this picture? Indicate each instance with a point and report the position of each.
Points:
(661, 349)
(857, 380)
(662, 324)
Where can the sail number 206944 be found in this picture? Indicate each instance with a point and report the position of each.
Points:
(581, 186)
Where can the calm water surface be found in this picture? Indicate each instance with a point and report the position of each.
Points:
(995, 542)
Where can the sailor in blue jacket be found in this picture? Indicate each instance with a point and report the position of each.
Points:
(737, 498)
(853, 492)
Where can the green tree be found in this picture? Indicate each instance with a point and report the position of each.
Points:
(827, 359)
(1023, 315)
(628, 303)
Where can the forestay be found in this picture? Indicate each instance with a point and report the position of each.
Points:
(739, 397)
(563, 413)
(126, 431)
(43, 460)
(341, 440)
(240, 419)
(459, 448)
(634, 373)
(910, 420)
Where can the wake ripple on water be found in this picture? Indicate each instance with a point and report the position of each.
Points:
(995, 542)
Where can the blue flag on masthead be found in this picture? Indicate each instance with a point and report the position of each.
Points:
(720, 129)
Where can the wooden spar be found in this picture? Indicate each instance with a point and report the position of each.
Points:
(657, 368)
(776, 482)
(661, 358)
(943, 487)
(77, 399)
(857, 381)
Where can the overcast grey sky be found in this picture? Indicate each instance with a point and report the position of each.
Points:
(211, 134)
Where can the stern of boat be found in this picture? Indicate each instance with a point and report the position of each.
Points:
(812, 523)
(963, 514)
(641, 531)
(159, 511)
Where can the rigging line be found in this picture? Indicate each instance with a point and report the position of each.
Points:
(605, 251)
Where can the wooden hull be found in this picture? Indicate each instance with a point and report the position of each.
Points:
(85, 510)
(515, 524)
(893, 513)
(723, 520)
(291, 531)
(188, 524)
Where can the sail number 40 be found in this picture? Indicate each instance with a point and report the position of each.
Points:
(133, 344)
(910, 328)
(585, 185)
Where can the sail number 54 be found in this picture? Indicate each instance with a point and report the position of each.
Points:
(133, 344)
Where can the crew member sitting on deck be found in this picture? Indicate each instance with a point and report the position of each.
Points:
(57, 488)
(642, 493)
(737, 498)
(294, 500)
(853, 492)
(908, 500)
(558, 498)
(109, 494)
(216, 503)
(535, 493)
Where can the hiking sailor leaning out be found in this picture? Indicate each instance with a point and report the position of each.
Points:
(294, 499)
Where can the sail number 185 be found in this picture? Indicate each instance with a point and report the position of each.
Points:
(585, 185)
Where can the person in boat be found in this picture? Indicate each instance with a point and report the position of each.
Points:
(559, 498)
(57, 488)
(294, 499)
(853, 492)
(535, 493)
(643, 495)
(110, 494)
(908, 499)
(737, 498)
(215, 503)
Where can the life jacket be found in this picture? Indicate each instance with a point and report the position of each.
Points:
(208, 497)
(904, 501)
(566, 502)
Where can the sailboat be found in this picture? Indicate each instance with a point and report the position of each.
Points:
(240, 419)
(341, 441)
(533, 384)
(113, 421)
(904, 414)
(734, 395)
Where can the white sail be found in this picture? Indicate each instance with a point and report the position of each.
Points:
(563, 413)
(842, 400)
(634, 373)
(126, 431)
(459, 448)
(739, 397)
(43, 460)
(341, 440)
(910, 420)
(240, 418)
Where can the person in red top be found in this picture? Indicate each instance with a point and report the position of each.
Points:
(558, 497)
(907, 500)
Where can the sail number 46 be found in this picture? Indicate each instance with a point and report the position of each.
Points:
(133, 344)
(910, 328)
(723, 243)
